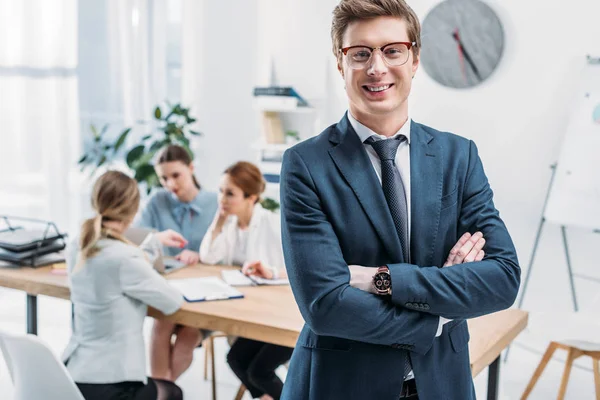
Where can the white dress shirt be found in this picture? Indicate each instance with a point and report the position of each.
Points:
(262, 241)
(402, 162)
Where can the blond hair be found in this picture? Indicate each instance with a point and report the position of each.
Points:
(115, 197)
(348, 11)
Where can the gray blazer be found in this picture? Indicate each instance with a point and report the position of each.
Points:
(111, 293)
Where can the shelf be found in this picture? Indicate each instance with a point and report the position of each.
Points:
(295, 110)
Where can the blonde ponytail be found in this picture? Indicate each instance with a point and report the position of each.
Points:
(91, 232)
(115, 198)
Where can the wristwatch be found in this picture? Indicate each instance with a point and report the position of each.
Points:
(382, 281)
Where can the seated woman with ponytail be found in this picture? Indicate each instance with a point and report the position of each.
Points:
(112, 284)
(245, 234)
(181, 205)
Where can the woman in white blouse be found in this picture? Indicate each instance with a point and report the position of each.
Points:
(245, 234)
(112, 283)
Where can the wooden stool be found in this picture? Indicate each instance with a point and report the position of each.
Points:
(240, 392)
(209, 346)
(575, 349)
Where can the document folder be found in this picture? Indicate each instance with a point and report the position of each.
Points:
(205, 289)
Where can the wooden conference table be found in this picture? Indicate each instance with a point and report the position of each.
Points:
(259, 316)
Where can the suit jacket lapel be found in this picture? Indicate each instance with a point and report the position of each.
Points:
(426, 178)
(355, 166)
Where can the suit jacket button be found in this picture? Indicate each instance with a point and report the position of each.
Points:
(426, 307)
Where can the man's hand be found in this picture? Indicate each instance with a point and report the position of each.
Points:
(189, 257)
(171, 238)
(257, 268)
(362, 277)
(468, 248)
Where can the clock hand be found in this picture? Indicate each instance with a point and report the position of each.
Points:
(467, 56)
(461, 59)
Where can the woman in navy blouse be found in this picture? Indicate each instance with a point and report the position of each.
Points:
(183, 206)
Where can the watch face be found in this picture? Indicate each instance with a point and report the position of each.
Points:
(381, 280)
(462, 42)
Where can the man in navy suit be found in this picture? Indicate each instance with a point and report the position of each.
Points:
(372, 210)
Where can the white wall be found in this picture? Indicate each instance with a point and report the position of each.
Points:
(219, 63)
(517, 118)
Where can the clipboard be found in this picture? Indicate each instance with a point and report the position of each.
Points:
(205, 289)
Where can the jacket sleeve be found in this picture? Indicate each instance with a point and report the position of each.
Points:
(319, 275)
(472, 289)
(140, 281)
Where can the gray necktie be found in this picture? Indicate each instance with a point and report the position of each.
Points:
(393, 188)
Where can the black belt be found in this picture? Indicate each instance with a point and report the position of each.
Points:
(409, 390)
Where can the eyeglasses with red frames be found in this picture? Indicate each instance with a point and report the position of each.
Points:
(394, 54)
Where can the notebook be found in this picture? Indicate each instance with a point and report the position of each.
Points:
(235, 277)
(205, 289)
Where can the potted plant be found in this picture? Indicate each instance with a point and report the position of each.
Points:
(174, 127)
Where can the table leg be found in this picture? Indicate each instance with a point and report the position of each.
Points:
(493, 379)
(32, 314)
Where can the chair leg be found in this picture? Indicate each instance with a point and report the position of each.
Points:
(212, 362)
(596, 363)
(540, 368)
(207, 351)
(565, 378)
(240, 392)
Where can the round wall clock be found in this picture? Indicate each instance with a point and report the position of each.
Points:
(461, 43)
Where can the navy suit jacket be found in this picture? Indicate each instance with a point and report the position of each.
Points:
(334, 214)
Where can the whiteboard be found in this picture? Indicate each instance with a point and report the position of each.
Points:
(575, 194)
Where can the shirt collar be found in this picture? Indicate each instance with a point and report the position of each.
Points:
(180, 208)
(364, 132)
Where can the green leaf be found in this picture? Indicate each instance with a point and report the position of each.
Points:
(121, 139)
(145, 159)
(270, 204)
(133, 156)
(82, 159)
(146, 137)
(195, 133)
(94, 130)
(190, 120)
(104, 129)
(102, 161)
(185, 141)
(157, 145)
(143, 172)
(152, 180)
(157, 113)
(170, 129)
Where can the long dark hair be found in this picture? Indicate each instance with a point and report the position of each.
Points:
(174, 152)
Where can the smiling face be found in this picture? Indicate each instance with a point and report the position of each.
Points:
(378, 91)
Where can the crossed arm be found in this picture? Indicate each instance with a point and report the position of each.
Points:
(331, 306)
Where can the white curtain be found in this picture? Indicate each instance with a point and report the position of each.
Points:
(63, 68)
(39, 127)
